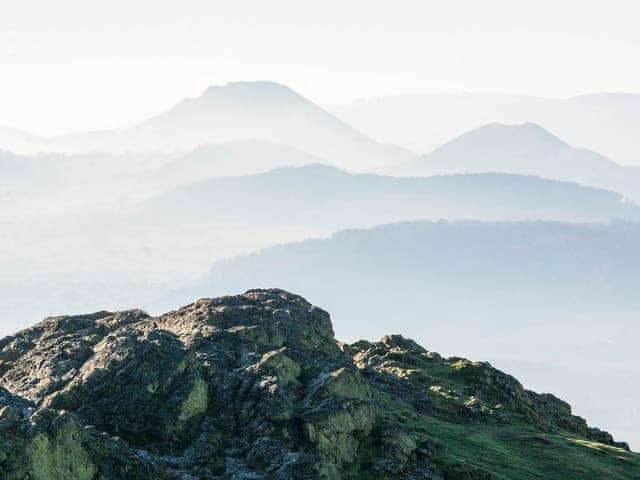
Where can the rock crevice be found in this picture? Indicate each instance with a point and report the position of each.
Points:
(252, 386)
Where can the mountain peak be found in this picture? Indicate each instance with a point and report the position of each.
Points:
(525, 149)
(255, 90)
(256, 386)
(520, 132)
(265, 110)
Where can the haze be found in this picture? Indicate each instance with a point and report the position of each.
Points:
(154, 152)
(84, 65)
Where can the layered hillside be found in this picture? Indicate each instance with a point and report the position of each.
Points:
(234, 112)
(324, 196)
(555, 303)
(606, 123)
(525, 149)
(255, 386)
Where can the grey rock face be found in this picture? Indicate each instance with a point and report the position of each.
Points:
(252, 386)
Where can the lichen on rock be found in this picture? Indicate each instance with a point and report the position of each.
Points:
(255, 386)
(59, 453)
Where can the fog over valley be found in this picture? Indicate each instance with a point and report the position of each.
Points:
(323, 242)
(542, 241)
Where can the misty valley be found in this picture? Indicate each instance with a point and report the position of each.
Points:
(497, 233)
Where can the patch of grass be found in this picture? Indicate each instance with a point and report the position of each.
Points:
(518, 452)
(513, 449)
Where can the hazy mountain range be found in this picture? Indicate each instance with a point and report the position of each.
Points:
(81, 181)
(123, 218)
(166, 240)
(475, 272)
(525, 149)
(607, 123)
(230, 159)
(324, 196)
(230, 113)
(534, 297)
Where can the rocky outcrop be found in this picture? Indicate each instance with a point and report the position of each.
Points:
(252, 386)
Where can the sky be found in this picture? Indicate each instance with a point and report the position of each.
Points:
(82, 65)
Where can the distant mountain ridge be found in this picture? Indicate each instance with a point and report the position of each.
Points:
(525, 149)
(324, 195)
(127, 177)
(241, 111)
(561, 265)
(539, 298)
(233, 159)
(608, 123)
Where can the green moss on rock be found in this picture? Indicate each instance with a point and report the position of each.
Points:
(255, 386)
(194, 405)
(60, 454)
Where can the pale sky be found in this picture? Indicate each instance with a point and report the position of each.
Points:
(89, 64)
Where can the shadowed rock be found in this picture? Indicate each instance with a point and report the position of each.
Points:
(255, 386)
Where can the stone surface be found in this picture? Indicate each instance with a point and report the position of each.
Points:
(255, 386)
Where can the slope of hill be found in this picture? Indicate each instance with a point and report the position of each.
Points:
(525, 149)
(533, 297)
(52, 252)
(605, 123)
(104, 178)
(322, 195)
(244, 111)
(53, 182)
(495, 268)
(231, 159)
(256, 386)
